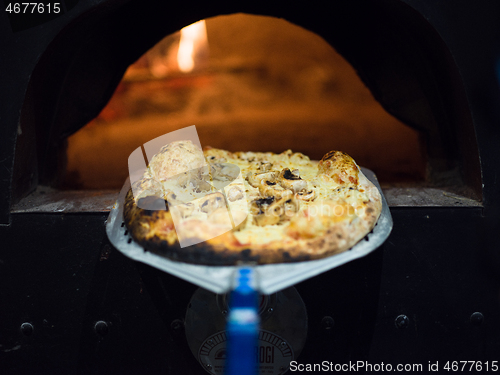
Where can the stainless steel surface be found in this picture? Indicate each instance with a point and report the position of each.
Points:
(50, 200)
(426, 197)
(272, 277)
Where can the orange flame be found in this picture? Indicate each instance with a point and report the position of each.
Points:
(193, 45)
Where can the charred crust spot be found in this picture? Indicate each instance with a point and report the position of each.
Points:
(329, 155)
(289, 258)
(339, 236)
(270, 183)
(264, 201)
(369, 210)
(287, 174)
(202, 253)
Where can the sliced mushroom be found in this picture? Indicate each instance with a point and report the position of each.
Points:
(291, 180)
(255, 209)
(265, 166)
(200, 185)
(288, 207)
(171, 198)
(146, 187)
(195, 178)
(183, 179)
(306, 195)
(295, 186)
(256, 179)
(211, 202)
(203, 172)
(216, 172)
(235, 193)
(264, 201)
(269, 189)
(224, 171)
(176, 206)
(292, 206)
(258, 209)
(274, 211)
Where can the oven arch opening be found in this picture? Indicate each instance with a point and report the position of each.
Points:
(269, 86)
(400, 58)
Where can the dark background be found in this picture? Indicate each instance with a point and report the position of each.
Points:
(59, 273)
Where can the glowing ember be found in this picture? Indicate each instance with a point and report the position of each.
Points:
(193, 41)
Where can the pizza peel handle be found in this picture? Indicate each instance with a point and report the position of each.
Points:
(242, 325)
(272, 277)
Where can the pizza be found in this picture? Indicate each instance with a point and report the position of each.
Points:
(217, 207)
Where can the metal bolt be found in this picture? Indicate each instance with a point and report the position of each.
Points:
(327, 322)
(270, 310)
(402, 321)
(27, 329)
(224, 312)
(283, 344)
(208, 366)
(176, 324)
(105, 252)
(101, 328)
(477, 319)
(210, 342)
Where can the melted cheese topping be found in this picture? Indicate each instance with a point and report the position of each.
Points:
(333, 201)
(269, 197)
(253, 234)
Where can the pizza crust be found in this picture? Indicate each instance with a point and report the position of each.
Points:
(326, 208)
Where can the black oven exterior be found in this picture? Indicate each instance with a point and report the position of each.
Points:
(73, 304)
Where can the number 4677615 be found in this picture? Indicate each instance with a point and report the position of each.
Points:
(33, 8)
(471, 366)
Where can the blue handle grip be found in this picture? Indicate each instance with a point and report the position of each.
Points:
(242, 326)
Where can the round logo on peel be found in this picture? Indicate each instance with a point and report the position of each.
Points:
(273, 354)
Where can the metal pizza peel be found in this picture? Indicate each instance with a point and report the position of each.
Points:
(270, 277)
